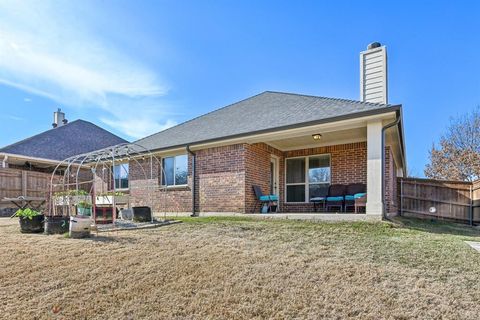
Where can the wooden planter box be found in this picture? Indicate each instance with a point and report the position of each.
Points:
(108, 200)
(70, 200)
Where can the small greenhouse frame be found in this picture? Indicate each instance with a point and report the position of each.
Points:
(75, 181)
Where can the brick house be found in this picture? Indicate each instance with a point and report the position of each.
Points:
(278, 141)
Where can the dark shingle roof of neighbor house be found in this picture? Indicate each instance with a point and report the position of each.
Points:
(266, 111)
(59, 143)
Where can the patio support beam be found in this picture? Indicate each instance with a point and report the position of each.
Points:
(374, 167)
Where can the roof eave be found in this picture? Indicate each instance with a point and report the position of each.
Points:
(389, 109)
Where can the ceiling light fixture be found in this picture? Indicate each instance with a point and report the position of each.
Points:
(316, 136)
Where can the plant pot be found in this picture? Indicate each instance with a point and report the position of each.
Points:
(142, 214)
(80, 227)
(84, 211)
(56, 224)
(34, 225)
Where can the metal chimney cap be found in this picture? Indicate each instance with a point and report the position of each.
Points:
(374, 45)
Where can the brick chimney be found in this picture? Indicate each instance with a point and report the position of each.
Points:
(373, 74)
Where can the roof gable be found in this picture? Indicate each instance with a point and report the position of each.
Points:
(265, 111)
(59, 143)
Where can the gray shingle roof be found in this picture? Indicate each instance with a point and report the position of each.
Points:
(74, 138)
(265, 111)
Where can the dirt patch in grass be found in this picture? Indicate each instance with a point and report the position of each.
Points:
(242, 269)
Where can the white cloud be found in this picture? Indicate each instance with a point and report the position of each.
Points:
(27, 100)
(12, 117)
(139, 128)
(52, 49)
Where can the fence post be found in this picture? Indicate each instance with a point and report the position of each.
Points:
(470, 213)
(401, 197)
(24, 183)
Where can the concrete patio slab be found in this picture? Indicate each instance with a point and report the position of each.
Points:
(474, 245)
(288, 216)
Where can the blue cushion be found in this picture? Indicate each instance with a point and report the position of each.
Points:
(359, 195)
(316, 199)
(271, 197)
(349, 197)
(339, 198)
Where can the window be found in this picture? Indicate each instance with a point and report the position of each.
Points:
(307, 177)
(120, 176)
(175, 170)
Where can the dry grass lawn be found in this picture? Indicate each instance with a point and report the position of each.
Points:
(244, 269)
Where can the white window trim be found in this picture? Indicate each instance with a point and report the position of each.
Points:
(173, 186)
(128, 177)
(307, 182)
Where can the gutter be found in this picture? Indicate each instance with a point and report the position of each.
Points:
(384, 128)
(193, 154)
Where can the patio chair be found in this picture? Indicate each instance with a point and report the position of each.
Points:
(354, 191)
(336, 196)
(361, 202)
(268, 200)
(319, 199)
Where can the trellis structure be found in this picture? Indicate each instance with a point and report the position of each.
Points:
(81, 174)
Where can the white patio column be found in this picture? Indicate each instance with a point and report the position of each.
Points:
(374, 167)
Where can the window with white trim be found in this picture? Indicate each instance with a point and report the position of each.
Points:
(120, 176)
(175, 170)
(307, 177)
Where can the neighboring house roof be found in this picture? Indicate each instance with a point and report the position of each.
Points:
(59, 143)
(266, 111)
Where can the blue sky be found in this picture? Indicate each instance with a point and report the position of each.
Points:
(138, 67)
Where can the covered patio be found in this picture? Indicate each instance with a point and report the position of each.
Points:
(329, 168)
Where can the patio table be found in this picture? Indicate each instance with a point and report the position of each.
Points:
(26, 202)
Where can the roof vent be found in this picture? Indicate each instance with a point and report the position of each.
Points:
(59, 118)
(374, 45)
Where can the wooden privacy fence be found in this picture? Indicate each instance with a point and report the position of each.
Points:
(15, 183)
(449, 200)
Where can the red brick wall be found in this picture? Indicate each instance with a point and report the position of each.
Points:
(348, 165)
(391, 198)
(220, 174)
(219, 185)
(257, 164)
(225, 176)
(145, 189)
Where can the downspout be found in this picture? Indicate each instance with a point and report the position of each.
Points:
(384, 128)
(4, 162)
(193, 180)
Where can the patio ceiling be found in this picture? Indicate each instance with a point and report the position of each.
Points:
(328, 138)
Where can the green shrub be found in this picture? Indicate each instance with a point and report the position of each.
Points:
(27, 213)
(71, 193)
(84, 204)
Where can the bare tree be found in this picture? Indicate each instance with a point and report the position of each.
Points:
(458, 154)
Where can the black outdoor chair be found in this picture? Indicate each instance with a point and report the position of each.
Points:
(336, 196)
(269, 200)
(319, 199)
(354, 191)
